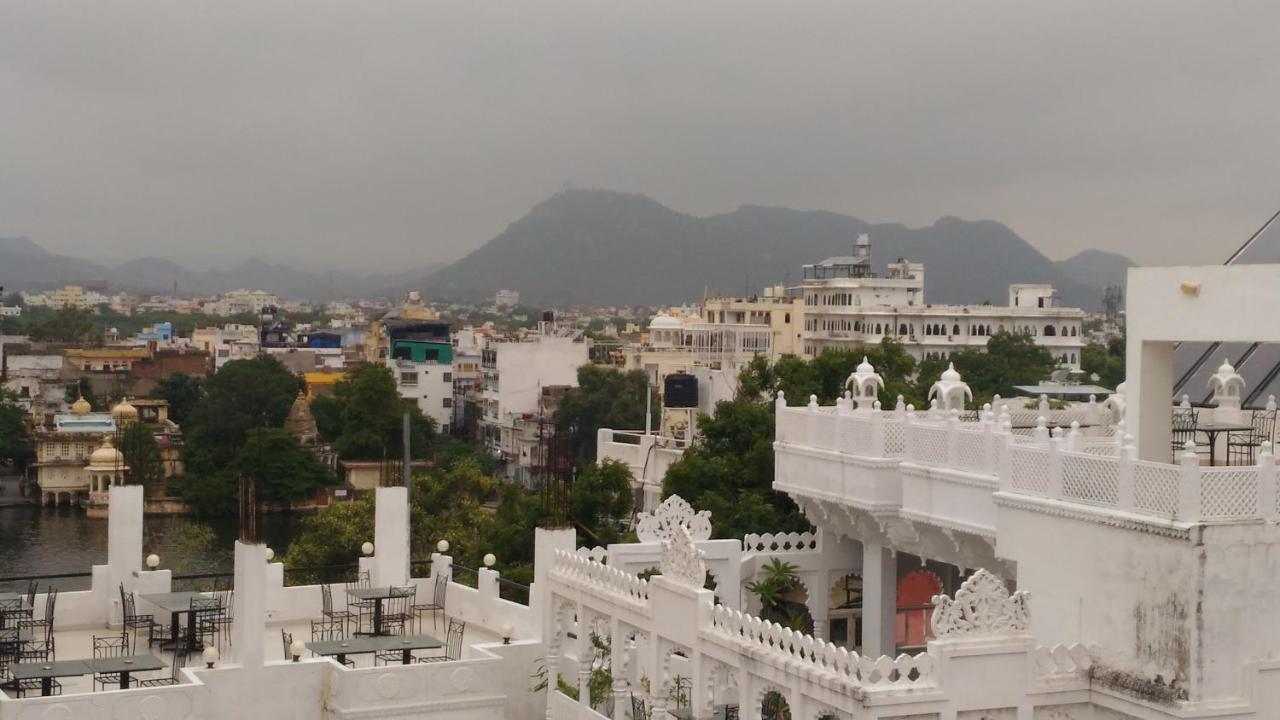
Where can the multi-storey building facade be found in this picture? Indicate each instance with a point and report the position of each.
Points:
(515, 373)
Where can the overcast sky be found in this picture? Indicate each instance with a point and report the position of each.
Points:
(383, 134)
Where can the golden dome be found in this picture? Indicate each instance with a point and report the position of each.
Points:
(107, 456)
(124, 412)
(81, 406)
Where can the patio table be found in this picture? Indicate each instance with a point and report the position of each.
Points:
(177, 603)
(124, 666)
(377, 595)
(1213, 429)
(47, 671)
(374, 643)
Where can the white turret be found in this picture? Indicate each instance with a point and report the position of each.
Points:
(950, 390)
(865, 383)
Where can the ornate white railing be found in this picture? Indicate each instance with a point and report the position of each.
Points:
(1091, 470)
(780, 542)
(806, 654)
(574, 568)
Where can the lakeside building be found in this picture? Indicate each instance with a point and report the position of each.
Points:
(77, 460)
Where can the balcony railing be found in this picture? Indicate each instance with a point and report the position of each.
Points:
(1061, 465)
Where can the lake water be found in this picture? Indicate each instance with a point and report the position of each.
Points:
(42, 541)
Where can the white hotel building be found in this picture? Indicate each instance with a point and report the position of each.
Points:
(846, 304)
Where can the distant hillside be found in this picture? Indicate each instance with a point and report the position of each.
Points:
(598, 246)
(1097, 267)
(24, 265)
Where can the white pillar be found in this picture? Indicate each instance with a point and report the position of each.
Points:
(248, 629)
(879, 600)
(1148, 414)
(545, 542)
(391, 536)
(124, 533)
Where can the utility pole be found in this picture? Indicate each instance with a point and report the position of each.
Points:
(407, 468)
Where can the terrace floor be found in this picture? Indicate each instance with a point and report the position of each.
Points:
(77, 644)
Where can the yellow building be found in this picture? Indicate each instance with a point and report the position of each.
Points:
(320, 384)
(106, 359)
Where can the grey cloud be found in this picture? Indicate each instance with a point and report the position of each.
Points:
(380, 134)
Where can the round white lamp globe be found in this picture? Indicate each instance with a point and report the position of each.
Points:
(153, 561)
(210, 655)
(442, 546)
(270, 554)
(296, 649)
(507, 631)
(367, 548)
(489, 560)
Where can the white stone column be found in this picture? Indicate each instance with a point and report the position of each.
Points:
(879, 600)
(124, 549)
(1148, 414)
(586, 654)
(391, 536)
(248, 629)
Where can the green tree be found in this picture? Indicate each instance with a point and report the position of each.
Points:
(371, 417)
(16, 447)
(826, 374)
(81, 387)
(604, 398)
(1107, 362)
(284, 470)
(67, 325)
(332, 536)
(1011, 359)
(729, 471)
(243, 395)
(602, 495)
(327, 411)
(183, 393)
(137, 443)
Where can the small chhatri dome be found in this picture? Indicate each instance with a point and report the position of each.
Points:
(81, 406)
(865, 367)
(950, 374)
(664, 322)
(124, 412)
(106, 456)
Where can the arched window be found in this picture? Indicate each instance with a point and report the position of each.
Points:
(955, 329)
(1073, 331)
(879, 329)
(1050, 331)
(902, 329)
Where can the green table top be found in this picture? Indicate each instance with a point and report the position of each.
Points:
(377, 643)
(127, 663)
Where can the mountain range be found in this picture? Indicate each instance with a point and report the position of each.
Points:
(602, 247)
(24, 265)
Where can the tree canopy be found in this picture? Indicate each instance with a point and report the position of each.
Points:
(730, 472)
(244, 394)
(15, 439)
(604, 398)
(183, 393)
(68, 325)
(137, 443)
(1107, 362)
(1010, 359)
(364, 418)
(826, 374)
